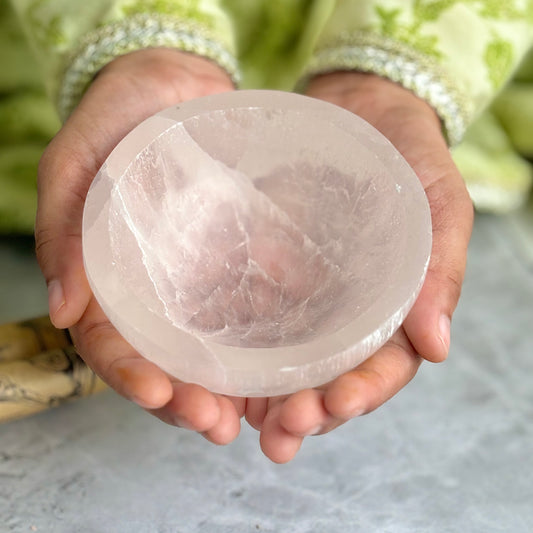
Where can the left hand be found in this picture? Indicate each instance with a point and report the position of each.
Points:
(125, 92)
(415, 130)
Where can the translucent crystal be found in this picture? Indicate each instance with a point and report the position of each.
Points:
(256, 242)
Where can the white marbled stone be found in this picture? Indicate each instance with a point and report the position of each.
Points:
(256, 242)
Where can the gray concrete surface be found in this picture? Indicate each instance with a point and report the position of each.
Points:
(453, 452)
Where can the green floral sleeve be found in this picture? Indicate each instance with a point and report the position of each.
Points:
(456, 54)
(73, 39)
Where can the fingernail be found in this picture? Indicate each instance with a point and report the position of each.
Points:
(141, 402)
(444, 329)
(315, 431)
(182, 423)
(56, 298)
(356, 412)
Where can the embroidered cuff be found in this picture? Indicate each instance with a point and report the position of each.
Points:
(137, 33)
(401, 64)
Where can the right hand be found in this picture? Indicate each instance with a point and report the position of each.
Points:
(125, 92)
(415, 130)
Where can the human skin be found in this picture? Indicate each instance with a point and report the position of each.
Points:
(415, 130)
(135, 86)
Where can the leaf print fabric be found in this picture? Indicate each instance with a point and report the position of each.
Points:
(459, 55)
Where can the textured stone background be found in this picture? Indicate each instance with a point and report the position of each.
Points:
(453, 452)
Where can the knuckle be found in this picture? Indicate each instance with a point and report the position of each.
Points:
(449, 278)
(43, 242)
(454, 281)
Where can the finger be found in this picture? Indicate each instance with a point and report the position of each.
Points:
(66, 171)
(228, 426)
(374, 381)
(419, 139)
(304, 413)
(239, 403)
(191, 407)
(277, 443)
(428, 324)
(256, 410)
(117, 363)
(58, 237)
(415, 130)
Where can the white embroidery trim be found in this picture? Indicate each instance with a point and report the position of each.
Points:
(412, 72)
(136, 33)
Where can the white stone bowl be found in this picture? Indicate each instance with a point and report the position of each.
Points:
(256, 242)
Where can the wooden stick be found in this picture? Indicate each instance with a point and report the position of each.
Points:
(21, 340)
(35, 383)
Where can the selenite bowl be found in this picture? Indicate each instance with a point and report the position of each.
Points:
(256, 242)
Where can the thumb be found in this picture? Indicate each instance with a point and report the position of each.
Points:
(428, 323)
(66, 171)
(417, 135)
(61, 193)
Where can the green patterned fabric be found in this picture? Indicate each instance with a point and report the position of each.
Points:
(73, 39)
(459, 55)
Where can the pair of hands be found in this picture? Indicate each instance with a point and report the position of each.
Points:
(135, 86)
